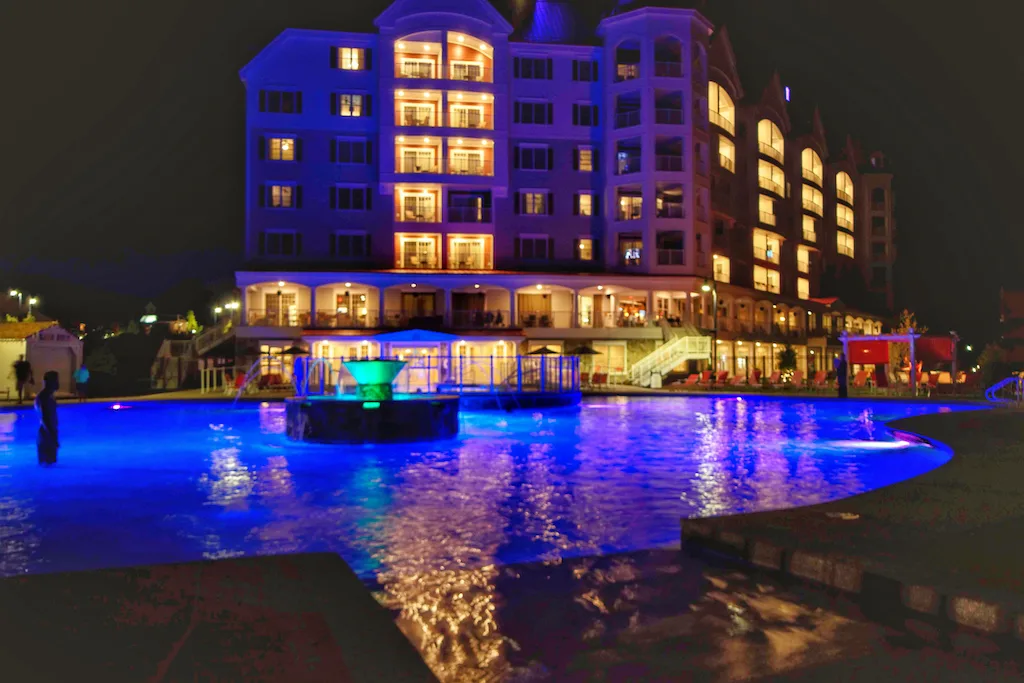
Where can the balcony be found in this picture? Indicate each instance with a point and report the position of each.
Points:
(671, 257)
(480, 320)
(768, 184)
(626, 72)
(803, 266)
(469, 72)
(468, 119)
(333, 320)
(257, 317)
(671, 117)
(671, 210)
(419, 215)
(769, 151)
(769, 255)
(413, 319)
(630, 212)
(766, 218)
(424, 69)
(727, 163)
(813, 207)
(471, 167)
(844, 223)
(668, 69)
(844, 195)
(810, 235)
(627, 119)
(626, 165)
(810, 174)
(469, 214)
(559, 319)
(722, 122)
(668, 162)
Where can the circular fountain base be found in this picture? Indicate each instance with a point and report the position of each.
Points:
(348, 420)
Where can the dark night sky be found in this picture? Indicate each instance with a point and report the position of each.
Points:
(124, 129)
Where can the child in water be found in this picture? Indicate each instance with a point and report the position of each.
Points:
(46, 405)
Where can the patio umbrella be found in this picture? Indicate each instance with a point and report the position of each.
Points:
(542, 351)
(295, 351)
(584, 351)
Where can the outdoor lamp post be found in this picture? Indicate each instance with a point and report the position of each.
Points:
(712, 286)
(31, 302)
(17, 293)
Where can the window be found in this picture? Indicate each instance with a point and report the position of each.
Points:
(810, 229)
(770, 177)
(811, 199)
(879, 276)
(803, 259)
(721, 268)
(878, 198)
(469, 252)
(350, 246)
(418, 252)
(280, 243)
(878, 226)
(584, 159)
(766, 209)
(281, 101)
(411, 67)
(417, 207)
(844, 187)
(533, 157)
(766, 280)
(351, 198)
(803, 288)
(584, 204)
(350, 58)
(350, 104)
(541, 113)
(721, 109)
(282, 149)
(584, 114)
(610, 359)
(769, 140)
(844, 244)
(630, 207)
(280, 196)
(584, 250)
(670, 246)
(766, 246)
(726, 154)
(467, 116)
(351, 151)
(584, 71)
(533, 67)
(534, 247)
(844, 217)
(878, 250)
(631, 248)
(811, 166)
(534, 203)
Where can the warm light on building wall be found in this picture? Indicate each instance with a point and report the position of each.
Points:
(766, 209)
(812, 199)
(844, 217)
(803, 288)
(811, 166)
(722, 268)
(803, 259)
(844, 187)
(844, 244)
(766, 280)
(770, 177)
(721, 109)
(726, 154)
(770, 141)
(766, 246)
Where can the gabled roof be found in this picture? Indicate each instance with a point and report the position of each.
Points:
(21, 331)
(774, 98)
(481, 9)
(722, 57)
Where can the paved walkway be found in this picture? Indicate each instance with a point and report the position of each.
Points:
(949, 542)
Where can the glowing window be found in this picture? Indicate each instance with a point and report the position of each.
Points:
(721, 109)
(844, 187)
(811, 166)
(281, 149)
(770, 141)
(726, 154)
(844, 244)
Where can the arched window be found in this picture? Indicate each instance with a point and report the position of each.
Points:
(878, 198)
(811, 165)
(721, 108)
(769, 140)
(844, 187)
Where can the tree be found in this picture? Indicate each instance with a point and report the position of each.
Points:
(133, 328)
(102, 360)
(899, 351)
(192, 323)
(993, 364)
(787, 361)
(10, 318)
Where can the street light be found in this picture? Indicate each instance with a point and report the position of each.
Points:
(712, 286)
(969, 347)
(31, 302)
(17, 293)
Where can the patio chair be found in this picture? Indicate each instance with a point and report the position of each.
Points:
(738, 380)
(798, 379)
(722, 377)
(820, 380)
(705, 379)
(691, 381)
(755, 378)
(860, 380)
(775, 381)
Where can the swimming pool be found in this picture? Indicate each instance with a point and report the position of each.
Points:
(161, 482)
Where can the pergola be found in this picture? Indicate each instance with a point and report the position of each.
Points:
(911, 339)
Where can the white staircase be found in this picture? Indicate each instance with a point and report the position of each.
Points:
(653, 367)
(213, 336)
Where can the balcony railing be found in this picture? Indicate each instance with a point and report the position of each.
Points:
(727, 163)
(809, 174)
(769, 151)
(608, 320)
(413, 262)
(469, 214)
(415, 319)
(844, 250)
(334, 320)
(671, 210)
(474, 167)
(767, 218)
(761, 254)
(480, 320)
(671, 257)
(287, 317)
(470, 73)
(668, 162)
(472, 262)
(628, 213)
(410, 119)
(813, 207)
(626, 72)
(810, 235)
(668, 69)
(435, 70)
(627, 165)
(418, 216)
(559, 319)
(844, 195)
(844, 223)
(722, 122)
(803, 266)
(766, 183)
(627, 119)
(667, 116)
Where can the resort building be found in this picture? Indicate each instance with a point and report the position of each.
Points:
(517, 187)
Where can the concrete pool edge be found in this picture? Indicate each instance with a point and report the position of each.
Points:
(937, 545)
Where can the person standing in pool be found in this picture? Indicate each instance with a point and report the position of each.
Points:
(841, 375)
(46, 405)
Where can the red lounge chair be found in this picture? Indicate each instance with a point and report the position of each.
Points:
(820, 380)
(755, 378)
(738, 380)
(798, 379)
(722, 378)
(775, 381)
(692, 380)
(705, 379)
(860, 380)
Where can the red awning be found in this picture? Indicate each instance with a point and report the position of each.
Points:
(934, 349)
(868, 352)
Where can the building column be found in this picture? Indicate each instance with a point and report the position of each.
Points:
(650, 305)
(512, 321)
(381, 312)
(312, 306)
(447, 313)
(574, 320)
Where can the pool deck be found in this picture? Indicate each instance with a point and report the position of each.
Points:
(944, 546)
(289, 618)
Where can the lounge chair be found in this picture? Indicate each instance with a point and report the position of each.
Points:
(820, 380)
(692, 380)
(755, 379)
(722, 378)
(798, 379)
(705, 379)
(738, 380)
(775, 381)
(860, 380)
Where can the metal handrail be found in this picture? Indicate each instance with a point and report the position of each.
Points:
(1018, 390)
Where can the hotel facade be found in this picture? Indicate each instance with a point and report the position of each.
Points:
(502, 185)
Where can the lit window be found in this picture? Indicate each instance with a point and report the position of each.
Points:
(281, 149)
(766, 280)
(812, 199)
(810, 229)
(726, 154)
(844, 244)
(631, 249)
(844, 217)
(766, 246)
(281, 196)
(766, 209)
(803, 288)
(610, 358)
(586, 155)
(350, 104)
(722, 269)
(721, 109)
(585, 249)
(351, 58)
(770, 177)
(586, 204)
(844, 187)
(769, 140)
(803, 259)
(811, 166)
(630, 207)
(418, 252)
(535, 203)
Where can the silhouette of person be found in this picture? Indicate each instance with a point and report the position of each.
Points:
(22, 371)
(46, 405)
(841, 375)
(82, 382)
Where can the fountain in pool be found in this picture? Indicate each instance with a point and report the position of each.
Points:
(374, 414)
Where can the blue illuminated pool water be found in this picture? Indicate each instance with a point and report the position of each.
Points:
(159, 482)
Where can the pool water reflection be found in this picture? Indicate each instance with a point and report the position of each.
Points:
(160, 482)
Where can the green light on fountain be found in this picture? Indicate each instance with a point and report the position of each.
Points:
(374, 378)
